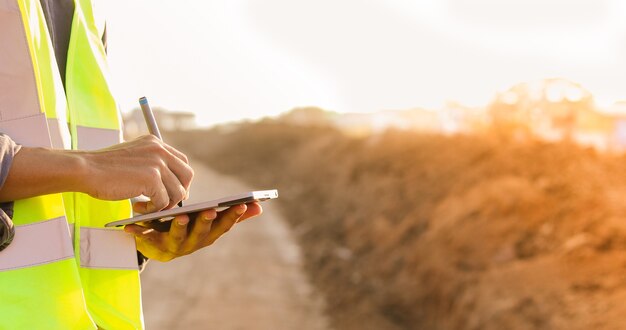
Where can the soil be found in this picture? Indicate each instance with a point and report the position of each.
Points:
(410, 231)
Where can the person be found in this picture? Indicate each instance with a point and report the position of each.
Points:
(64, 173)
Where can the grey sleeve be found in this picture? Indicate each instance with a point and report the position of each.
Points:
(8, 150)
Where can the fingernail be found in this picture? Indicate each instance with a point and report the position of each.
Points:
(183, 221)
(147, 231)
(210, 215)
(150, 207)
(241, 209)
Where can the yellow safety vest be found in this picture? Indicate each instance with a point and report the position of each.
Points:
(63, 270)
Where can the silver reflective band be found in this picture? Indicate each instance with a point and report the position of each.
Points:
(19, 97)
(59, 134)
(107, 249)
(38, 243)
(29, 131)
(90, 138)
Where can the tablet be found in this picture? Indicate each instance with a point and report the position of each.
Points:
(248, 197)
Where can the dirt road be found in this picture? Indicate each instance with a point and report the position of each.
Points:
(252, 278)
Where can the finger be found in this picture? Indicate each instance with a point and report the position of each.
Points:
(175, 190)
(176, 153)
(253, 210)
(143, 233)
(180, 167)
(158, 225)
(157, 193)
(224, 222)
(143, 207)
(178, 232)
(201, 228)
(140, 207)
(182, 172)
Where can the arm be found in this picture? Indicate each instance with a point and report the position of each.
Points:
(143, 166)
(39, 171)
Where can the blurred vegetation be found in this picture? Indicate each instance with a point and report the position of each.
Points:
(403, 230)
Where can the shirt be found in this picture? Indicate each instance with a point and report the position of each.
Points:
(8, 149)
(58, 14)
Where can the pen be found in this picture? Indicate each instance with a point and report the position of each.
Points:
(153, 128)
(148, 115)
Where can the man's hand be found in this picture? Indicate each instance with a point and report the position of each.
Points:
(185, 236)
(144, 166)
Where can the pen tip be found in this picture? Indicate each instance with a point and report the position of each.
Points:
(143, 100)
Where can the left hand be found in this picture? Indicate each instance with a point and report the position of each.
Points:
(180, 240)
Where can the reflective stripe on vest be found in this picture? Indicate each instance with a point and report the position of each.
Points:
(106, 248)
(19, 97)
(59, 133)
(31, 131)
(91, 138)
(51, 240)
(38, 243)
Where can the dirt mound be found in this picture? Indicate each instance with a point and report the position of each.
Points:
(409, 231)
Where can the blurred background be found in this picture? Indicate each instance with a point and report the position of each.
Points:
(446, 164)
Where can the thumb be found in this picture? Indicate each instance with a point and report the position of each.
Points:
(145, 207)
(158, 198)
(141, 207)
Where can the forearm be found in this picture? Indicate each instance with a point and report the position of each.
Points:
(145, 166)
(40, 171)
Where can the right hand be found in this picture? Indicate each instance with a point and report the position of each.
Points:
(144, 166)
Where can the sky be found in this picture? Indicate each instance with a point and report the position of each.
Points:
(228, 60)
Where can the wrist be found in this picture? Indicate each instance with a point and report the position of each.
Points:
(42, 171)
(76, 172)
(65, 170)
